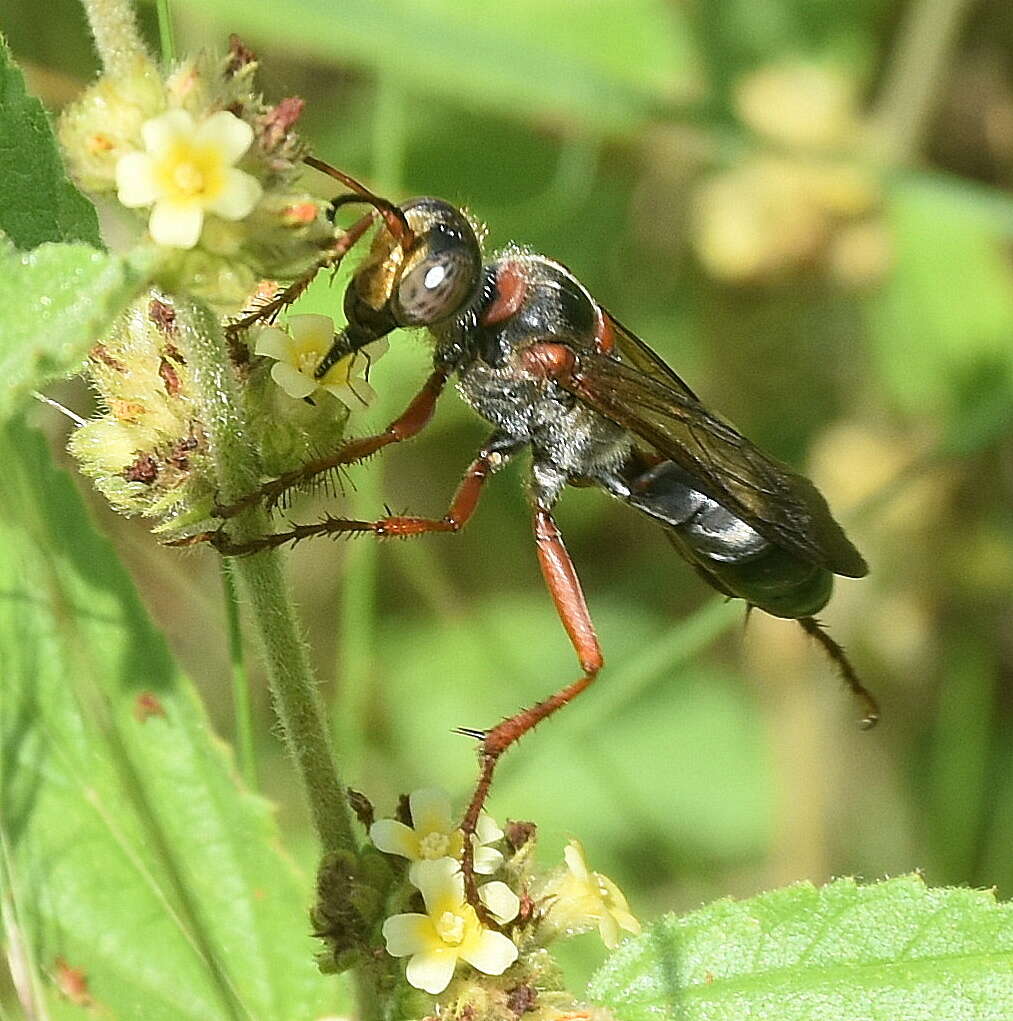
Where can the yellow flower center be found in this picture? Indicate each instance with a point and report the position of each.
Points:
(307, 361)
(450, 927)
(188, 178)
(434, 845)
(188, 173)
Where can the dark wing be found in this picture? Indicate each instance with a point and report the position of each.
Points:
(633, 350)
(649, 400)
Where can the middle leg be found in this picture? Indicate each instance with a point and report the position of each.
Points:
(398, 526)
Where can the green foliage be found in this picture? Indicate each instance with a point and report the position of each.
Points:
(37, 202)
(959, 794)
(56, 300)
(523, 59)
(55, 303)
(942, 324)
(843, 952)
(132, 852)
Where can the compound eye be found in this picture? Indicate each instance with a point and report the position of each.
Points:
(436, 288)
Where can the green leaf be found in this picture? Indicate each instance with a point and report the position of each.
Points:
(844, 952)
(602, 66)
(130, 851)
(55, 302)
(941, 326)
(37, 202)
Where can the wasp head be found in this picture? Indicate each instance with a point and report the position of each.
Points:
(422, 279)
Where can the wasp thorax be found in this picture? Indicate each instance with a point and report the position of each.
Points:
(441, 271)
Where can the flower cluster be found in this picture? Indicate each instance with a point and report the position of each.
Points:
(208, 167)
(293, 413)
(187, 171)
(211, 174)
(524, 913)
(147, 450)
(578, 900)
(450, 929)
(799, 202)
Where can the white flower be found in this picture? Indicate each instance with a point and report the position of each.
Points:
(186, 171)
(433, 835)
(450, 929)
(301, 348)
(580, 899)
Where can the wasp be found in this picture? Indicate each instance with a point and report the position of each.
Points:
(557, 375)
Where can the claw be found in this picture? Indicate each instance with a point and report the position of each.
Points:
(478, 735)
(189, 540)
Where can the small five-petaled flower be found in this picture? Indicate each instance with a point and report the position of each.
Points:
(450, 930)
(302, 347)
(581, 899)
(186, 171)
(433, 835)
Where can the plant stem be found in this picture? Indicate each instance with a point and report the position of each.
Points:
(916, 76)
(357, 625)
(117, 38)
(295, 694)
(273, 614)
(240, 680)
(262, 584)
(165, 36)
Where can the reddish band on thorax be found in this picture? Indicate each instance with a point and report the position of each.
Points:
(511, 289)
(548, 360)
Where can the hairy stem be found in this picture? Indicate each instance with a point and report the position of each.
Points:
(117, 39)
(262, 584)
(272, 610)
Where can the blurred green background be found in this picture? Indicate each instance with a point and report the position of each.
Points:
(804, 206)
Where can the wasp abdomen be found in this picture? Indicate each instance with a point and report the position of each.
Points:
(735, 558)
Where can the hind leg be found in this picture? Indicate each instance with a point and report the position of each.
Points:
(564, 587)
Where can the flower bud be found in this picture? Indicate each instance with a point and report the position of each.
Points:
(104, 124)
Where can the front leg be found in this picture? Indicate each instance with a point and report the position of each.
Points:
(330, 259)
(411, 422)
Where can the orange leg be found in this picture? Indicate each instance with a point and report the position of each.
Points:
(564, 587)
(410, 423)
(461, 509)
